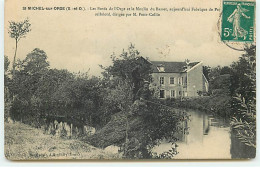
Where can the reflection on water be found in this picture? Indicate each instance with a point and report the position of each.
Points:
(209, 137)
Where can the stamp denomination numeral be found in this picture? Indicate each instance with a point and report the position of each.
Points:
(227, 32)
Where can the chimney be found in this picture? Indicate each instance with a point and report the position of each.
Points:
(160, 68)
(187, 61)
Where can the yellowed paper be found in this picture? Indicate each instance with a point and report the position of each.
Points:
(127, 80)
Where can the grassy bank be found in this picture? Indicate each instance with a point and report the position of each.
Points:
(23, 142)
(145, 124)
(218, 104)
(114, 132)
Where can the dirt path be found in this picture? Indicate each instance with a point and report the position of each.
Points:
(23, 142)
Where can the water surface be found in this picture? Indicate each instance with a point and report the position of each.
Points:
(208, 137)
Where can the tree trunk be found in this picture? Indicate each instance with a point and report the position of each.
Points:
(16, 43)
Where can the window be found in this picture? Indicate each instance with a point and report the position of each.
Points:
(162, 94)
(172, 93)
(161, 68)
(182, 81)
(179, 81)
(161, 80)
(180, 93)
(171, 80)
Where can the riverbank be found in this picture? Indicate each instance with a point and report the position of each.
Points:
(218, 104)
(114, 133)
(23, 142)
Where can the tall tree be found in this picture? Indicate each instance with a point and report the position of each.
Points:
(130, 67)
(244, 78)
(18, 30)
(30, 71)
(26, 80)
(244, 96)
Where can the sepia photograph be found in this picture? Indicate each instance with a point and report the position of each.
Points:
(129, 81)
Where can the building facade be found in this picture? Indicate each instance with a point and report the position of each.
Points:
(179, 79)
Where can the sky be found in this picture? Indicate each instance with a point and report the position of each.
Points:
(80, 41)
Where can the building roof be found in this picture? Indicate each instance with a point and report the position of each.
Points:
(172, 67)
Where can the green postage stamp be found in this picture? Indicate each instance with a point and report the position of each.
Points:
(238, 21)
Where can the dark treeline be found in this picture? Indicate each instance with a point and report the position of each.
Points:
(237, 81)
(37, 92)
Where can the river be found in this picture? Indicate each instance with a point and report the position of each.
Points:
(207, 137)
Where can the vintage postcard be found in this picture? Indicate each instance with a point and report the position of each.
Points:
(130, 80)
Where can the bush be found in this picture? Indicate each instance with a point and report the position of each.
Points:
(219, 104)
